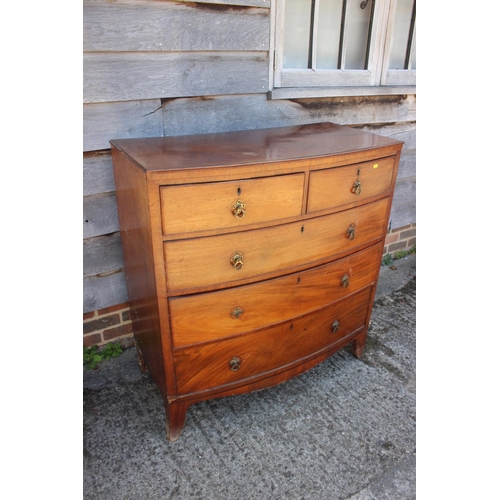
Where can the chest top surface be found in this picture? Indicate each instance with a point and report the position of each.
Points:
(249, 147)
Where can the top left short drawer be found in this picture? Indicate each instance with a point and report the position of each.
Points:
(189, 208)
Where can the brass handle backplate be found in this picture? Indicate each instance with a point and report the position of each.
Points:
(351, 232)
(237, 260)
(237, 312)
(345, 281)
(234, 364)
(335, 326)
(238, 209)
(356, 187)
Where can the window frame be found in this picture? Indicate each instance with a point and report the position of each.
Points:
(377, 79)
(395, 76)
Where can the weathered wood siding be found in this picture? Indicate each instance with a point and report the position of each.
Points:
(149, 49)
(159, 67)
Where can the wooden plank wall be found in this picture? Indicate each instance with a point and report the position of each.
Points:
(158, 67)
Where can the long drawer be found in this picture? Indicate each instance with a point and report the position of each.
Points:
(206, 366)
(213, 315)
(201, 262)
(335, 187)
(218, 205)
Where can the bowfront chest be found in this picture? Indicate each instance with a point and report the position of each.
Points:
(250, 256)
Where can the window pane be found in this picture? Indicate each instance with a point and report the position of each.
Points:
(296, 40)
(358, 28)
(329, 22)
(402, 24)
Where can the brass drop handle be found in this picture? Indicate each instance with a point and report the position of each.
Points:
(234, 364)
(237, 312)
(351, 232)
(356, 187)
(335, 326)
(237, 260)
(238, 209)
(345, 281)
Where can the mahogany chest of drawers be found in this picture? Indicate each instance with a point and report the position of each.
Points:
(250, 256)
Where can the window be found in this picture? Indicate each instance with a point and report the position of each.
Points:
(345, 43)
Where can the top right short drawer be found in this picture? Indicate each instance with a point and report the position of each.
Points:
(349, 185)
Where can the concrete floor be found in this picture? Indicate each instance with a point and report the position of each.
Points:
(343, 430)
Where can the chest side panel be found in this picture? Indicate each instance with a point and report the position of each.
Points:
(138, 255)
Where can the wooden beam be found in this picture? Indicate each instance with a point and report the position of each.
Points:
(134, 76)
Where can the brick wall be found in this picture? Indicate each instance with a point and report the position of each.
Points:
(402, 238)
(113, 324)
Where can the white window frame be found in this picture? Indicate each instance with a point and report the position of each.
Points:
(376, 80)
(394, 76)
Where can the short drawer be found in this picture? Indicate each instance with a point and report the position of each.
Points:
(224, 313)
(218, 205)
(206, 366)
(208, 261)
(337, 187)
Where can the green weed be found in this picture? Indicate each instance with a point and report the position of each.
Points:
(388, 259)
(92, 356)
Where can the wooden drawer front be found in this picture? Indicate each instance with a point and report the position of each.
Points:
(200, 207)
(201, 262)
(335, 187)
(214, 315)
(205, 366)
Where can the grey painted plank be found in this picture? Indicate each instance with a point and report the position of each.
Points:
(120, 120)
(407, 164)
(223, 114)
(136, 76)
(405, 191)
(404, 204)
(401, 131)
(244, 112)
(356, 110)
(170, 26)
(102, 255)
(98, 173)
(115, 120)
(104, 291)
(316, 92)
(209, 3)
(403, 215)
(249, 3)
(100, 215)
